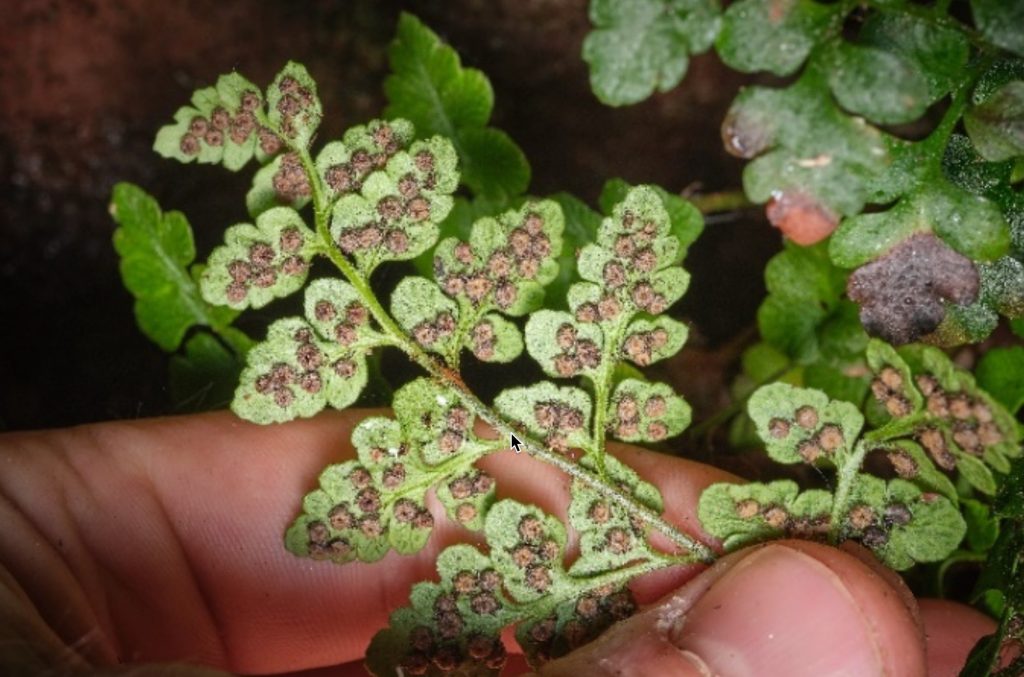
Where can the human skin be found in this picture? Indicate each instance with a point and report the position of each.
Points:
(154, 542)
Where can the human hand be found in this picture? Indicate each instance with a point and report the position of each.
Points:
(156, 542)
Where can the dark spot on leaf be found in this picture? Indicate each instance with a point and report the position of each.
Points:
(902, 293)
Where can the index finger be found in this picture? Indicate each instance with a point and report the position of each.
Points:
(162, 540)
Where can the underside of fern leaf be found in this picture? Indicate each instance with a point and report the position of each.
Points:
(931, 425)
(380, 194)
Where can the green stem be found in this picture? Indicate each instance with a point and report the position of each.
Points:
(445, 375)
(544, 606)
(724, 201)
(846, 475)
(592, 480)
(601, 395)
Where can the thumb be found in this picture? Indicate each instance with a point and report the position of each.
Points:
(788, 608)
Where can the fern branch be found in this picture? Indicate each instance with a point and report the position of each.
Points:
(445, 374)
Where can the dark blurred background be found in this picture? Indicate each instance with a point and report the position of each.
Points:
(85, 84)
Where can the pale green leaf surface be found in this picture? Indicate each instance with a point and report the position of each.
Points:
(902, 525)
(294, 373)
(264, 193)
(344, 165)
(306, 364)
(799, 425)
(222, 126)
(425, 313)
(494, 339)
(743, 514)
(505, 263)
(395, 214)
(293, 107)
(609, 539)
(259, 263)
(558, 415)
(433, 417)
(687, 223)
(646, 412)
(563, 346)
(911, 463)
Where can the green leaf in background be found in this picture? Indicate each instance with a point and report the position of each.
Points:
(982, 525)
(1000, 22)
(1000, 373)
(804, 290)
(815, 162)
(641, 46)
(429, 87)
(997, 126)
(880, 85)
(156, 250)
(203, 377)
(806, 319)
(773, 36)
(937, 52)
(899, 65)
(971, 225)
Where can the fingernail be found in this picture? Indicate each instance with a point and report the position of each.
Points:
(778, 610)
(803, 609)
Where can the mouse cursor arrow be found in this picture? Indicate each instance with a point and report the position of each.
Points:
(515, 443)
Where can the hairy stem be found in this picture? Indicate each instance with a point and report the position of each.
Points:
(546, 605)
(846, 474)
(846, 477)
(602, 392)
(592, 480)
(450, 378)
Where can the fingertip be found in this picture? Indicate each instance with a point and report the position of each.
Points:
(951, 629)
(786, 608)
